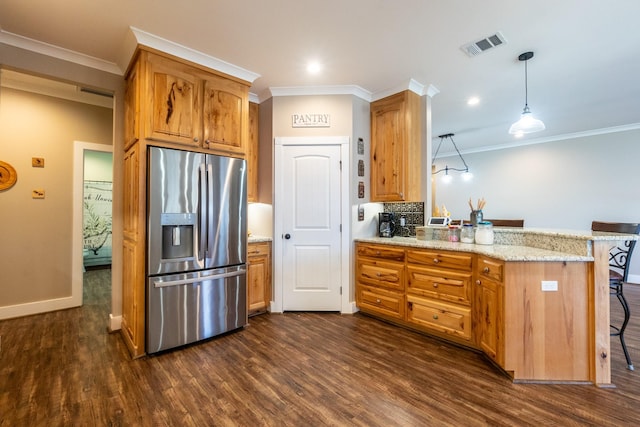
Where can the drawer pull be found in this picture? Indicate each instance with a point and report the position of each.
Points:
(378, 253)
(485, 270)
(377, 300)
(435, 316)
(436, 260)
(478, 282)
(435, 285)
(378, 274)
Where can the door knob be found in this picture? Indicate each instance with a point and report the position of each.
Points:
(287, 236)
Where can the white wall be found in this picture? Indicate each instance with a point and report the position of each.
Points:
(563, 184)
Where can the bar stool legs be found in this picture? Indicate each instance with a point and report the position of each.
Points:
(616, 289)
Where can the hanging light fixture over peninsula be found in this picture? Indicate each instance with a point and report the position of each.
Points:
(466, 175)
(527, 123)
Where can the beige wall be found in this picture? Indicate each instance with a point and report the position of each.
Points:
(47, 66)
(35, 257)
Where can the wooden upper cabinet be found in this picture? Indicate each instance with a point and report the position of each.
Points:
(252, 153)
(226, 115)
(174, 102)
(181, 103)
(395, 148)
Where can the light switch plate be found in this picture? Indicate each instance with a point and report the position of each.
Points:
(549, 285)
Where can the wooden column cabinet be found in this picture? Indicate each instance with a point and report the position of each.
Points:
(396, 155)
(252, 153)
(258, 277)
(489, 308)
(169, 102)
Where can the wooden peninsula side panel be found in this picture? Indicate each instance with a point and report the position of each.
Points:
(546, 331)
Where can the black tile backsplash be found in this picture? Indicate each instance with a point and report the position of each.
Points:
(413, 213)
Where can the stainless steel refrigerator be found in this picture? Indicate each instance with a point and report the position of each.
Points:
(197, 245)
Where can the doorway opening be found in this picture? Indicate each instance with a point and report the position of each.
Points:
(92, 210)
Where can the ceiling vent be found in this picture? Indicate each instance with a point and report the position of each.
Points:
(476, 48)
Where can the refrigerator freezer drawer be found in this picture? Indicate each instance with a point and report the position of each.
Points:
(185, 308)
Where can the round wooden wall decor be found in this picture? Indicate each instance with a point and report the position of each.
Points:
(8, 176)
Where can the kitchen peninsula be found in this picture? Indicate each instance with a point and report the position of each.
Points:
(536, 302)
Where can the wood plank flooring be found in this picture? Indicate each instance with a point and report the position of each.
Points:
(296, 369)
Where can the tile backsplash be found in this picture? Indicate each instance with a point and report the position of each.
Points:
(413, 213)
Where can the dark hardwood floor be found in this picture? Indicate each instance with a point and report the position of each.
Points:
(307, 369)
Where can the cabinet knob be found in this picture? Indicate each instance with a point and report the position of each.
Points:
(478, 282)
(377, 252)
(378, 274)
(378, 301)
(435, 316)
(195, 139)
(435, 285)
(436, 260)
(485, 270)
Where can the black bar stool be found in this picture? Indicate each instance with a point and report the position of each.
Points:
(619, 258)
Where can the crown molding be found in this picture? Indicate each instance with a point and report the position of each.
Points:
(321, 90)
(180, 51)
(562, 137)
(47, 49)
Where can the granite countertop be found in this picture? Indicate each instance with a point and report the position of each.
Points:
(259, 239)
(502, 252)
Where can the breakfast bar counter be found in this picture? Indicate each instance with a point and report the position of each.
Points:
(538, 306)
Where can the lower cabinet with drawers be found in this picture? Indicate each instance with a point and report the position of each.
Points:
(500, 308)
(438, 292)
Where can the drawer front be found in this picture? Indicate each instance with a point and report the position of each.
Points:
(380, 301)
(381, 251)
(490, 268)
(381, 273)
(457, 261)
(255, 249)
(440, 317)
(442, 284)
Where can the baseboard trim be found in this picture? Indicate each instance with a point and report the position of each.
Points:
(115, 323)
(37, 307)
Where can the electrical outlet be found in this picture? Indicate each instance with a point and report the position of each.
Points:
(549, 285)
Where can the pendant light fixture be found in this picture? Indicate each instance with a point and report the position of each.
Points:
(527, 123)
(466, 175)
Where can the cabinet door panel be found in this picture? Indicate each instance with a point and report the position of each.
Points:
(226, 115)
(175, 103)
(380, 273)
(440, 317)
(387, 153)
(380, 301)
(441, 284)
(458, 261)
(489, 308)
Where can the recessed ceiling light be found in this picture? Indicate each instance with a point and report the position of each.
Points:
(474, 100)
(314, 67)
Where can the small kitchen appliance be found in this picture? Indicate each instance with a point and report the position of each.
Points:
(386, 224)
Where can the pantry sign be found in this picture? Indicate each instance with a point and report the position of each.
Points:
(310, 120)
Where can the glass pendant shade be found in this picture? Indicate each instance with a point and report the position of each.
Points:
(526, 124)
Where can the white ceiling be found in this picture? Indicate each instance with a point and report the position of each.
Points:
(583, 79)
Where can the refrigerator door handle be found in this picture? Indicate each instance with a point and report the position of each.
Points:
(202, 213)
(163, 284)
(210, 247)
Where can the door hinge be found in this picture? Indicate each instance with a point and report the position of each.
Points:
(340, 290)
(341, 228)
(340, 164)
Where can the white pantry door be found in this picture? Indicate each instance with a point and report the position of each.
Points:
(311, 212)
